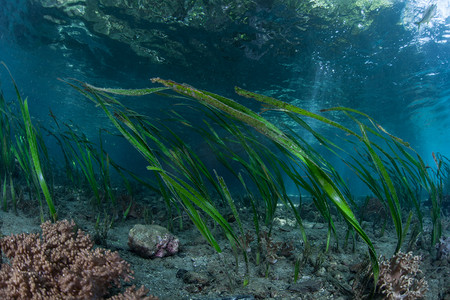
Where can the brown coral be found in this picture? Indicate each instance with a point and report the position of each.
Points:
(399, 277)
(59, 264)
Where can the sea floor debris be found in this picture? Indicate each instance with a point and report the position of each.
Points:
(198, 272)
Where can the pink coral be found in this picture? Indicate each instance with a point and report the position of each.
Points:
(399, 277)
(167, 246)
(60, 264)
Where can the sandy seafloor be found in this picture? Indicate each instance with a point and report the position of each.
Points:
(198, 272)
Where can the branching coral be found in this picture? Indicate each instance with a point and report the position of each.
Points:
(60, 264)
(399, 277)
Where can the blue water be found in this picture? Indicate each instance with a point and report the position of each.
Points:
(393, 71)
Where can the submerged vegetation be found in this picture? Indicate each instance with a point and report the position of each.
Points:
(258, 157)
(396, 177)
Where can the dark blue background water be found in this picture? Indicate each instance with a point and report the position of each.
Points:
(393, 71)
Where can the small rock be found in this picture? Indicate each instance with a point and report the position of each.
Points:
(321, 272)
(150, 241)
(181, 272)
(195, 278)
(308, 286)
(319, 226)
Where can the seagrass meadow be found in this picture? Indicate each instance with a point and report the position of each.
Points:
(244, 235)
(224, 150)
